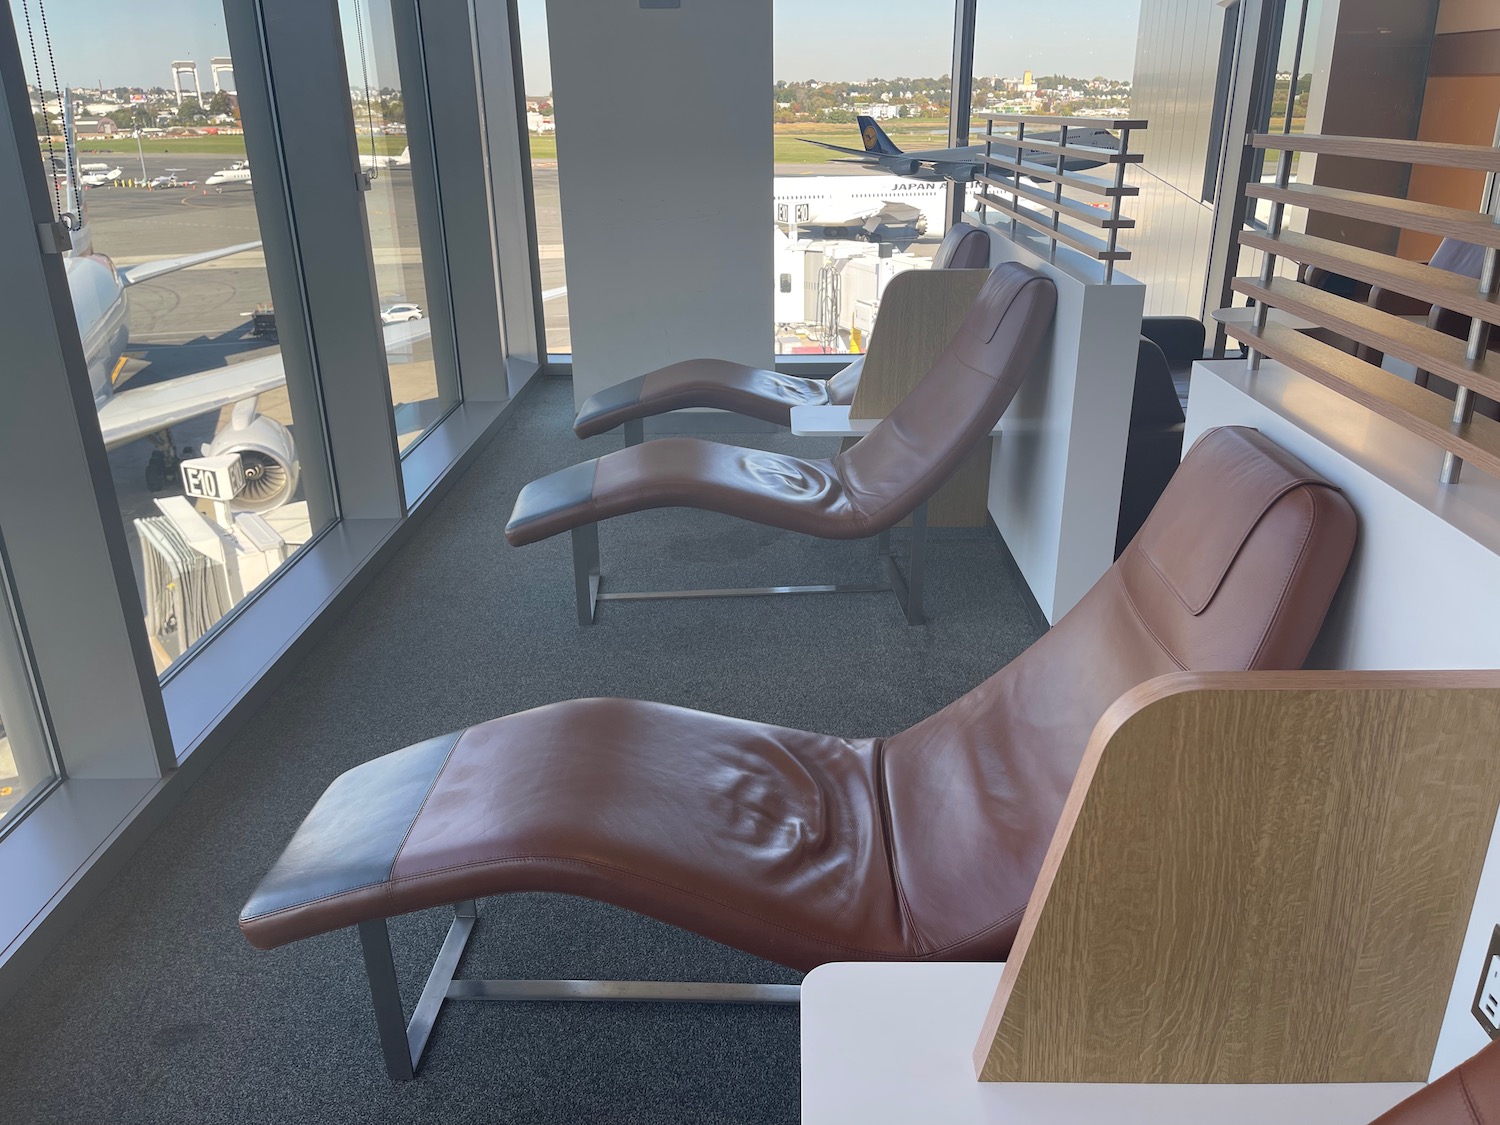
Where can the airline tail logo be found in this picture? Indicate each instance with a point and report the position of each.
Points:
(875, 139)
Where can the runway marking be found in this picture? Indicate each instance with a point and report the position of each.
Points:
(114, 375)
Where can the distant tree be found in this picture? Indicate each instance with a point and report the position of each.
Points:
(189, 111)
(393, 110)
(221, 103)
(42, 127)
(840, 116)
(123, 119)
(903, 111)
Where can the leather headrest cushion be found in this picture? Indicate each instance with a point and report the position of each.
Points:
(1204, 517)
(995, 298)
(964, 247)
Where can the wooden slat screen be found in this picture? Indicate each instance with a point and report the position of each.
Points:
(1026, 147)
(1467, 363)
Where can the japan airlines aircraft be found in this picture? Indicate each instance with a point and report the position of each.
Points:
(961, 165)
(870, 208)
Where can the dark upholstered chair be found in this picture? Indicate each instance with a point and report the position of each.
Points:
(751, 391)
(865, 490)
(1463, 258)
(1469, 1094)
(1153, 444)
(799, 847)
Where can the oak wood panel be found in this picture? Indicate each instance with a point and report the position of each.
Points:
(919, 313)
(1077, 212)
(1435, 153)
(1408, 214)
(1258, 877)
(1084, 243)
(1423, 412)
(1438, 287)
(1428, 349)
(1075, 180)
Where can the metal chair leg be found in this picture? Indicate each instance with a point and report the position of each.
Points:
(390, 1021)
(914, 581)
(908, 588)
(586, 571)
(403, 1043)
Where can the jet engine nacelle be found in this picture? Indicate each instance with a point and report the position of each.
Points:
(904, 167)
(958, 173)
(268, 455)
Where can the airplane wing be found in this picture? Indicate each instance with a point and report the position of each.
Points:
(138, 411)
(866, 157)
(134, 275)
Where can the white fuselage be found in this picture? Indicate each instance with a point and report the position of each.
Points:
(829, 200)
(234, 174)
(99, 305)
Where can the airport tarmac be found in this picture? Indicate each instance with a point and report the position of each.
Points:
(199, 319)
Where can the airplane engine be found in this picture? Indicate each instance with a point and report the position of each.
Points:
(958, 173)
(268, 455)
(904, 167)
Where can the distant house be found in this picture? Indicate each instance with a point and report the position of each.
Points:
(95, 126)
(536, 123)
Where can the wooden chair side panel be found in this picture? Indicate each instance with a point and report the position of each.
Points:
(1268, 880)
(919, 313)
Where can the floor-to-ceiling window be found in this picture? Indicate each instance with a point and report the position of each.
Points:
(541, 134)
(871, 78)
(27, 766)
(420, 395)
(143, 144)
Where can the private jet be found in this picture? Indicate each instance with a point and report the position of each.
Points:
(100, 179)
(236, 173)
(368, 162)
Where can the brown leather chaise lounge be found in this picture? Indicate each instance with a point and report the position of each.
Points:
(751, 391)
(1469, 1094)
(806, 848)
(867, 489)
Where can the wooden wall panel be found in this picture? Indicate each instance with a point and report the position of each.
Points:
(1455, 16)
(1458, 110)
(1258, 877)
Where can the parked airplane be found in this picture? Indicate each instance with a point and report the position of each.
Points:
(236, 173)
(869, 208)
(961, 165)
(368, 163)
(266, 448)
(99, 179)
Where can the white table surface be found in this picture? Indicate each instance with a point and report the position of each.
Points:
(888, 1043)
(834, 421)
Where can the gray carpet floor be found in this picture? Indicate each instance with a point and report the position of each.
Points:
(156, 1010)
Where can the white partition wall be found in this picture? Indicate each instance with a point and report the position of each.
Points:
(1060, 459)
(664, 173)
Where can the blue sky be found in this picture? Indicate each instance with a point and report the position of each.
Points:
(133, 42)
(123, 43)
(841, 40)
